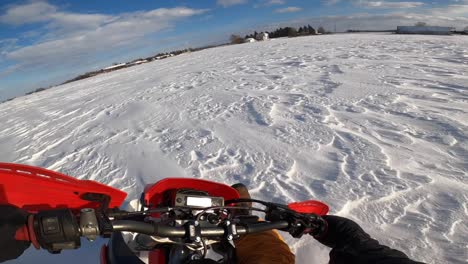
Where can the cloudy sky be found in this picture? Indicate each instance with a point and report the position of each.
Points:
(46, 42)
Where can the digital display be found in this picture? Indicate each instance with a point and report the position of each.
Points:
(199, 201)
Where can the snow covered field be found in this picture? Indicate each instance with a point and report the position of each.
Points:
(374, 125)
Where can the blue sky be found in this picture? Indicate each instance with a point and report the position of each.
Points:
(46, 42)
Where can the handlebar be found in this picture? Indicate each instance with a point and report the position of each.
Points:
(157, 229)
(59, 229)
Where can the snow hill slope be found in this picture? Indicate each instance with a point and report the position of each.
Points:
(375, 125)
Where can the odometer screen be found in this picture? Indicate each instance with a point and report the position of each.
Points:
(199, 201)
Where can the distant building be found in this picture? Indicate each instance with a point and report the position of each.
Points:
(163, 56)
(115, 67)
(262, 36)
(249, 40)
(424, 30)
(138, 62)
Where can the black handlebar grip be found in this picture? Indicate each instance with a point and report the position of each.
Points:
(56, 230)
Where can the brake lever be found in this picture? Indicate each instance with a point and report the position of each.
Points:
(105, 226)
(299, 224)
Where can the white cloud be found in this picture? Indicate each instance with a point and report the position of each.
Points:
(28, 13)
(275, 2)
(456, 10)
(6, 46)
(57, 22)
(8, 70)
(79, 21)
(330, 2)
(289, 9)
(227, 3)
(377, 21)
(387, 4)
(268, 3)
(77, 38)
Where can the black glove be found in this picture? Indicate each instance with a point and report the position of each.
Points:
(11, 218)
(342, 231)
(351, 244)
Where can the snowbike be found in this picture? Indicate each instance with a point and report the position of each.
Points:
(176, 220)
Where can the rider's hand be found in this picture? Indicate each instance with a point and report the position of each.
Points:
(342, 231)
(11, 218)
(351, 244)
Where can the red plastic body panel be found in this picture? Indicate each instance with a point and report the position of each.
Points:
(35, 189)
(103, 255)
(157, 256)
(154, 193)
(309, 207)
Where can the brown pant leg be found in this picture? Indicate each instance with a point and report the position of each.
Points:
(261, 248)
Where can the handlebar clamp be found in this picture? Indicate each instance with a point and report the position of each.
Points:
(193, 231)
(231, 231)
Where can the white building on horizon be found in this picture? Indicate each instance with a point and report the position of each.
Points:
(262, 36)
(424, 30)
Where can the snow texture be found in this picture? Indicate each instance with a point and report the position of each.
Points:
(374, 125)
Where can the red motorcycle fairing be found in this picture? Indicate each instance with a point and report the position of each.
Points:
(35, 189)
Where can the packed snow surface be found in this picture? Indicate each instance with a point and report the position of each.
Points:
(374, 125)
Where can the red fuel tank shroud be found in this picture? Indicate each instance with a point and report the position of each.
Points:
(154, 194)
(35, 189)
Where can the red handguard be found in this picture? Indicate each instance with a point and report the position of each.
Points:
(309, 207)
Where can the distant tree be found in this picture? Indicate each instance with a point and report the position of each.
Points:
(311, 30)
(421, 24)
(278, 33)
(236, 39)
(292, 32)
(301, 31)
(288, 32)
(321, 30)
(282, 32)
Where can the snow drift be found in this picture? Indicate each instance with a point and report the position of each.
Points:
(374, 125)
